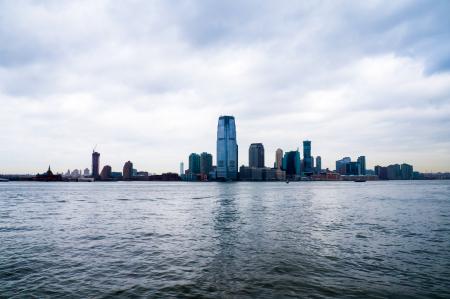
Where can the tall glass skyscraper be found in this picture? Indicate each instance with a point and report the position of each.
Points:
(95, 164)
(227, 149)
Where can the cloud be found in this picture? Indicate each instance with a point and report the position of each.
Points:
(147, 81)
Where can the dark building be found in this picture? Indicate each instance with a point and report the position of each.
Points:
(128, 171)
(292, 164)
(106, 173)
(95, 164)
(256, 155)
(169, 176)
(341, 165)
(381, 172)
(307, 158)
(362, 164)
(318, 164)
(393, 172)
(352, 168)
(406, 171)
(48, 176)
(205, 163)
(194, 163)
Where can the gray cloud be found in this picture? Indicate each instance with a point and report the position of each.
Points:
(147, 81)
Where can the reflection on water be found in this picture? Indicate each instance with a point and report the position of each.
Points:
(271, 240)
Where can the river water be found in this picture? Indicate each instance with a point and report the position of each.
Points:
(221, 240)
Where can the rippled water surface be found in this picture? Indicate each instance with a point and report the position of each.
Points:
(264, 240)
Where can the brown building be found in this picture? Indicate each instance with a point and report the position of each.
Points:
(106, 173)
(128, 171)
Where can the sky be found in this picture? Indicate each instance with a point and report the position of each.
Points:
(147, 80)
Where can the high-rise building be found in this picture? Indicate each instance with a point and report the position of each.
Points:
(318, 164)
(106, 172)
(256, 155)
(279, 158)
(227, 149)
(181, 168)
(194, 163)
(291, 164)
(362, 165)
(86, 172)
(95, 164)
(205, 163)
(340, 165)
(352, 168)
(393, 172)
(406, 171)
(128, 170)
(307, 159)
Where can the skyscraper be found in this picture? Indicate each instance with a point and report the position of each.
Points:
(95, 164)
(406, 171)
(279, 158)
(307, 159)
(194, 163)
(128, 170)
(362, 164)
(318, 164)
(181, 168)
(205, 163)
(256, 155)
(291, 164)
(341, 165)
(227, 149)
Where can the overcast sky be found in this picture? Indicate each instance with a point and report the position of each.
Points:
(147, 81)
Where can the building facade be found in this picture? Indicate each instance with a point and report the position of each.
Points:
(206, 163)
(292, 164)
(95, 164)
(106, 172)
(318, 164)
(194, 163)
(406, 171)
(278, 158)
(307, 158)
(256, 155)
(227, 149)
(362, 165)
(128, 170)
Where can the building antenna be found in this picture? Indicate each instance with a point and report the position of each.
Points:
(94, 148)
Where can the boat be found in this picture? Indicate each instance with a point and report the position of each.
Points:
(82, 179)
(359, 180)
(4, 180)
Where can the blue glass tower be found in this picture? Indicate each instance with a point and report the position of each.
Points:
(227, 149)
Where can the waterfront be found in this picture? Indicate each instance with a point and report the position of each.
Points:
(271, 240)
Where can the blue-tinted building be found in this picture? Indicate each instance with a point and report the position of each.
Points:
(307, 159)
(292, 164)
(194, 163)
(227, 149)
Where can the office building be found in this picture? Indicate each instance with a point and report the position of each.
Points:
(292, 164)
(206, 163)
(194, 163)
(227, 149)
(352, 168)
(278, 158)
(95, 164)
(307, 158)
(256, 155)
(406, 172)
(318, 164)
(381, 172)
(362, 164)
(86, 172)
(128, 170)
(106, 173)
(341, 165)
(393, 172)
(181, 168)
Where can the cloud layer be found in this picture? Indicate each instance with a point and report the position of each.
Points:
(147, 80)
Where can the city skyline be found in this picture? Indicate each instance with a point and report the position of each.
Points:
(356, 78)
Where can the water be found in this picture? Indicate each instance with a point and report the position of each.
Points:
(265, 240)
